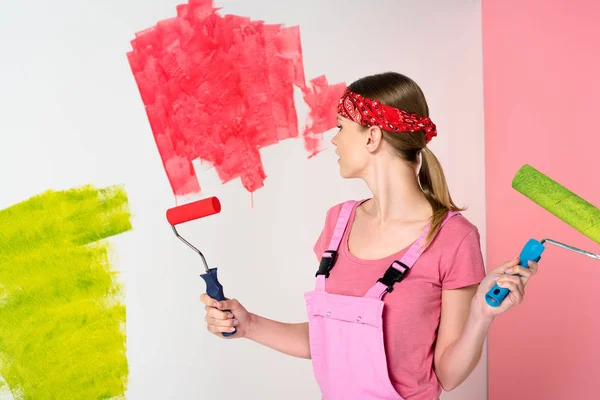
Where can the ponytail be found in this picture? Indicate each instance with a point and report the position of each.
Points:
(433, 184)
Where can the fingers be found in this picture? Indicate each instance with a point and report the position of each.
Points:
(513, 277)
(515, 285)
(498, 272)
(227, 323)
(220, 314)
(508, 264)
(533, 267)
(218, 325)
(518, 270)
(230, 305)
(514, 281)
(206, 299)
(219, 329)
(217, 314)
(524, 273)
(218, 321)
(513, 267)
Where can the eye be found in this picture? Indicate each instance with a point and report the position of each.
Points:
(339, 126)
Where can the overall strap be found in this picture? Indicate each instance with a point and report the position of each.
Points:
(397, 271)
(330, 255)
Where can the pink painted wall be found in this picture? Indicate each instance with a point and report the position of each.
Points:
(542, 100)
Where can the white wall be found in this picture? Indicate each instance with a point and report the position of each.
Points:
(71, 115)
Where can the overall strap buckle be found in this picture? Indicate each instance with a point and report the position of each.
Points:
(330, 256)
(394, 274)
(327, 263)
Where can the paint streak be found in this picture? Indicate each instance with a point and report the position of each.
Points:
(62, 333)
(220, 88)
(320, 97)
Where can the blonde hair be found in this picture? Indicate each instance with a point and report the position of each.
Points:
(396, 90)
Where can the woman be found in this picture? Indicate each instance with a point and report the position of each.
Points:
(379, 328)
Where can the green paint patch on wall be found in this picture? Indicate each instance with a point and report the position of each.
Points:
(62, 317)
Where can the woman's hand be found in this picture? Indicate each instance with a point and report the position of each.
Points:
(504, 277)
(226, 316)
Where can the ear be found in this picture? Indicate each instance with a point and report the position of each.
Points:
(374, 137)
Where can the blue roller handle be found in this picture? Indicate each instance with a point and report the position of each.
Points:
(214, 289)
(531, 251)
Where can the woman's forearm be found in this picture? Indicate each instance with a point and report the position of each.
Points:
(291, 339)
(461, 357)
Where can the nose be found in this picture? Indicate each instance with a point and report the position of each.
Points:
(333, 142)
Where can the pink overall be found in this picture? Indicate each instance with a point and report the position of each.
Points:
(346, 336)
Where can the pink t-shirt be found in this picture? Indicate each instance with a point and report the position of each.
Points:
(412, 311)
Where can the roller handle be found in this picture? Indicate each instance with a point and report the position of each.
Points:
(215, 290)
(531, 251)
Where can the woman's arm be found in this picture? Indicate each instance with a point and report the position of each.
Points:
(288, 338)
(228, 315)
(460, 338)
(466, 318)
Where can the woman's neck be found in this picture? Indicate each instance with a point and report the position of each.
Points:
(397, 196)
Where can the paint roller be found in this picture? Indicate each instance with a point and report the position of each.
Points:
(189, 212)
(560, 202)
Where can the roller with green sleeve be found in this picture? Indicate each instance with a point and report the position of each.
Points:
(562, 203)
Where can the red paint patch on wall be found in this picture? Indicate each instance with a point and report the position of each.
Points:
(220, 88)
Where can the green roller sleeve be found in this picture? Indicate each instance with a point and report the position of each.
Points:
(558, 200)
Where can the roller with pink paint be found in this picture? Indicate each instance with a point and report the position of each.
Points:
(190, 212)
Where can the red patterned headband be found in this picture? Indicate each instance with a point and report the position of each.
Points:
(369, 112)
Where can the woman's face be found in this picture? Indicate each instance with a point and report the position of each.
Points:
(350, 142)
